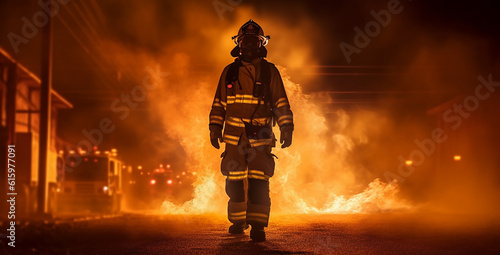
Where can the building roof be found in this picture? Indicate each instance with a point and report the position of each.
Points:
(33, 80)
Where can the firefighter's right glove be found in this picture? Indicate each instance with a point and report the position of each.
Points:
(286, 136)
(215, 135)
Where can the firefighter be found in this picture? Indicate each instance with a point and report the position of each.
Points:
(249, 100)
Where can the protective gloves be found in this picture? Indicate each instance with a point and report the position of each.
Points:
(215, 135)
(286, 137)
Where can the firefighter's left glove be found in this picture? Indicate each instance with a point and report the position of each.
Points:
(286, 136)
(215, 135)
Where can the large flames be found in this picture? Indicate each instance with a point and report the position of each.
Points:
(312, 176)
(315, 175)
(337, 156)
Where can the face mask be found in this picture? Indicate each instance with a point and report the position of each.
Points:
(250, 41)
(248, 55)
(249, 48)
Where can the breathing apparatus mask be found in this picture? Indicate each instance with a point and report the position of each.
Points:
(249, 48)
(250, 42)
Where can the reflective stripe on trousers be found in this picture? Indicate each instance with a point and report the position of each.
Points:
(248, 170)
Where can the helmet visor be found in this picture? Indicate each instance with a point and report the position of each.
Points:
(250, 41)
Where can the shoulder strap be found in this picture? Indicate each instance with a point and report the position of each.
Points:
(232, 72)
(232, 77)
(265, 78)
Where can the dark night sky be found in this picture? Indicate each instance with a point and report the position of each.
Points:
(335, 19)
(80, 68)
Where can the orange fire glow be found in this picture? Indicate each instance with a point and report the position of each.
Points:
(309, 177)
(314, 175)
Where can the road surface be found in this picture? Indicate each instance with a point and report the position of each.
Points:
(287, 234)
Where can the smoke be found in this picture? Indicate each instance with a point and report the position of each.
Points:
(337, 161)
(449, 68)
(315, 175)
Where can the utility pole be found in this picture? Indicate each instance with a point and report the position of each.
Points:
(7, 135)
(45, 105)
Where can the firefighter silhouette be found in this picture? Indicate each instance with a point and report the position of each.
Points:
(250, 99)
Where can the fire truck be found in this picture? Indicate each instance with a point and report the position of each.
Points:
(92, 182)
(148, 188)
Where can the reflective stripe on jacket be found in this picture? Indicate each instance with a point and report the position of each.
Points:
(235, 109)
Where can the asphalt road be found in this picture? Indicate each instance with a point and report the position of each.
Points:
(287, 234)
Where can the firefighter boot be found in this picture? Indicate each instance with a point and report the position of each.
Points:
(237, 229)
(257, 233)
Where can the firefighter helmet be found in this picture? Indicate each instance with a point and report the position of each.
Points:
(251, 28)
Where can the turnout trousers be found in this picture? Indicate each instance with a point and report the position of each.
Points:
(247, 170)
